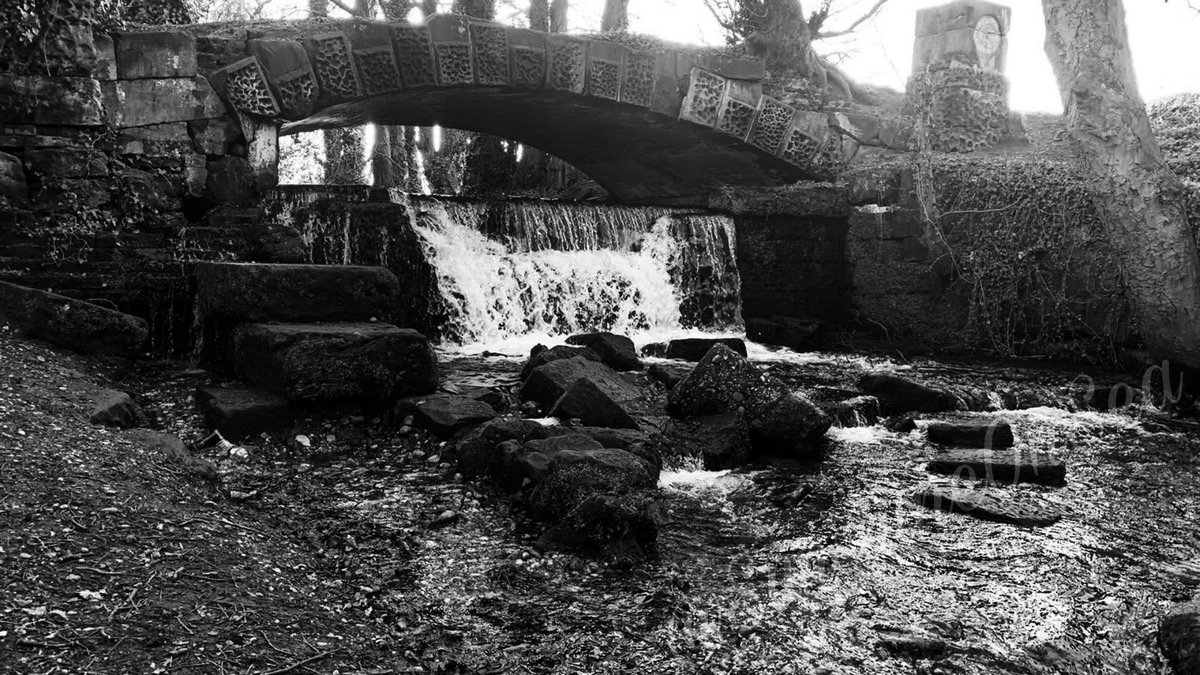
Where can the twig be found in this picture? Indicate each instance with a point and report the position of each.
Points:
(305, 662)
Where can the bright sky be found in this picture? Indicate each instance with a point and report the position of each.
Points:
(1162, 35)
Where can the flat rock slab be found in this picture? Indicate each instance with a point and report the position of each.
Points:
(971, 434)
(1000, 466)
(447, 415)
(75, 324)
(255, 292)
(694, 349)
(985, 506)
(242, 412)
(331, 362)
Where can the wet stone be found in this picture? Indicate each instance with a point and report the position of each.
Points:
(447, 415)
(694, 349)
(971, 433)
(722, 441)
(584, 401)
(900, 395)
(615, 351)
(242, 412)
(985, 506)
(541, 355)
(1000, 466)
(547, 383)
(1179, 637)
(860, 411)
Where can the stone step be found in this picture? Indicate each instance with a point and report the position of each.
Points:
(1003, 466)
(971, 433)
(256, 292)
(335, 361)
(242, 412)
(984, 506)
(75, 324)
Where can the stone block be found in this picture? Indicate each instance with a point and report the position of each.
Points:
(772, 124)
(262, 150)
(705, 94)
(169, 139)
(153, 55)
(245, 88)
(230, 180)
(67, 162)
(414, 55)
(489, 42)
(195, 175)
(972, 31)
(1000, 466)
(65, 101)
(374, 57)
(638, 77)
(136, 103)
(151, 190)
(669, 88)
(330, 56)
(527, 58)
(960, 14)
(242, 412)
(568, 63)
(75, 193)
(605, 68)
(286, 67)
(106, 58)
(74, 324)
(12, 177)
(451, 37)
(332, 362)
(732, 67)
(304, 293)
(738, 107)
(214, 136)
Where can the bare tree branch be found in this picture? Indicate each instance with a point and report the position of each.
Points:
(870, 14)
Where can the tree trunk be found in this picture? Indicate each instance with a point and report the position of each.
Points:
(318, 9)
(539, 15)
(480, 9)
(429, 7)
(344, 156)
(616, 16)
(1141, 202)
(558, 16)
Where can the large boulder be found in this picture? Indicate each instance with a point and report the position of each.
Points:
(584, 401)
(1179, 637)
(241, 412)
(254, 292)
(900, 395)
(724, 381)
(616, 351)
(541, 355)
(575, 475)
(1007, 466)
(722, 441)
(695, 349)
(75, 324)
(547, 383)
(330, 362)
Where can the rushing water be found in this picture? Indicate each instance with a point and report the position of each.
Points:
(553, 269)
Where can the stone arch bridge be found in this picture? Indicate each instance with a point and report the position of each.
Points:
(649, 125)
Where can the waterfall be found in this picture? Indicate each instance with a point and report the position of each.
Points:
(545, 268)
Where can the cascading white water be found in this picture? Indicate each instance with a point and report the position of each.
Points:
(493, 291)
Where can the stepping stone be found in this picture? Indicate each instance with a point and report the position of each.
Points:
(334, 361)
(985, 506)
(971, 434)
(242, 412)
(1005, 466)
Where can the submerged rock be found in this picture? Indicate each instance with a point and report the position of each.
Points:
(616, 351)
(540, 356)
(585, 402)
(971, 433)
(860, 411)
(615, 526)
(899, 395)
(663, 376)
(1179, 637)
(985, 506)
(789, 425)
(1008, 466)
(695, 349)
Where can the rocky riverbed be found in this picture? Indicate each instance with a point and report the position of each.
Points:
(348, 545)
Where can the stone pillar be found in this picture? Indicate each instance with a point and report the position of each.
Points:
(958, 90)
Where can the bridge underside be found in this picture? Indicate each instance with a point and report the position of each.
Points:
(639, 156)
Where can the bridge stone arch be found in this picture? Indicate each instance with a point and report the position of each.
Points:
(650, 125)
